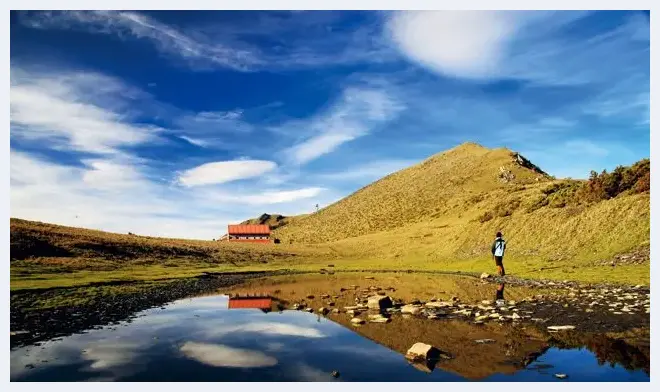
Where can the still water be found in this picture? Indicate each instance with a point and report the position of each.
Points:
(203, 339)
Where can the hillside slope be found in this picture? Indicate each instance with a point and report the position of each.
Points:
(448, 208)
(419, 193)
(274, 221)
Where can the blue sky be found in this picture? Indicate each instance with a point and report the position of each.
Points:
(175, 123)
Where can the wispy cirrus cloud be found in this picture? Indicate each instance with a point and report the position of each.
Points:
(370, 171)
(358, 112)
(231, 45)
(68, 112)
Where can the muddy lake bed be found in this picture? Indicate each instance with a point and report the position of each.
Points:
(305, 328)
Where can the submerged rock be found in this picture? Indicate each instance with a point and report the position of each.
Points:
(554, 328)
(484, 341)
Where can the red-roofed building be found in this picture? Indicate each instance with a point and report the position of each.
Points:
(248, 233)
(250, 303)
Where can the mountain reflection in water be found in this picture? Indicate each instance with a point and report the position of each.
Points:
(216, 339)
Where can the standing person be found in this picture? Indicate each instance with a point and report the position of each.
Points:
(498, 248)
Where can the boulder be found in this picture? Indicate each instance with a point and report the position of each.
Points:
(411, 309)
(379, 302)
(485, 275)
(422, 352)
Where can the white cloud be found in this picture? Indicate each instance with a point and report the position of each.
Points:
(222, 172)
(225, 356)
(58, 110)
(196, 142)
(468, 44)
(357, 113)
(368, 172)
(268, 328)
(265, 197)
(585, 147)
(538, 46)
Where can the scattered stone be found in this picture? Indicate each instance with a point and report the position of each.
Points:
(379, 302)
(485, 275)
(331, 303)
(555, 328)
(438, 304)
(484, 341)
(421, 352)
(380, 319)
(481, 319)
(369, 277)
(515, 316)
(325, 296)
(494, 315)
(336, 311)
(310, 310)
(324, 311)
(357, 321)
(411, 309)
(296, 307)
(487, 302)
(310, 297)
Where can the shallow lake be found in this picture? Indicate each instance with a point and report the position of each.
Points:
(203, 339)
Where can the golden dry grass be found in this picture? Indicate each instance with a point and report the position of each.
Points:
(431, 216)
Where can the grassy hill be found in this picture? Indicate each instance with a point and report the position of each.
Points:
(445, 211)
(440, 214)
(273, 220)
(45, 255)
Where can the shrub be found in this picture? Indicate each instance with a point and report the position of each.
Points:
(485, 217)
(507, 208)
(542, 201)
(622, 180)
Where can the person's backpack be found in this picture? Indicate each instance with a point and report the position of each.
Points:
(499, 247)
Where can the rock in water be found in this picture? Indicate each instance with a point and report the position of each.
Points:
(485, 275)
(422, 352)
(554, 328)
(561, 375)
(335, 374)
(379, 302)
(484, 341)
